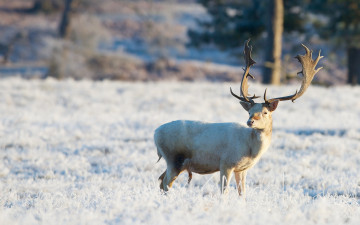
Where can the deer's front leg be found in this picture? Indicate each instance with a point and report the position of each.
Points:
(243, 181)
(240, 176)
(225, 176)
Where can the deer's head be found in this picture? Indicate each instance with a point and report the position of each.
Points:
(260, 113)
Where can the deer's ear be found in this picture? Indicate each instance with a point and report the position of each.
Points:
(246, 105)
(273, 105)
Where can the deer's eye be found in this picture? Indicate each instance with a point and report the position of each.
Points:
(265, 113)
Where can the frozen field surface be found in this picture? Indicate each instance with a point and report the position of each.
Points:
(83, 153)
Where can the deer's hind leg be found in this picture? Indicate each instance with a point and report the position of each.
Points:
(174, 168)
(190, 175)
(170, 177)
(162, 180)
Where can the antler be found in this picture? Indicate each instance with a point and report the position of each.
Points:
(244, 82)
(308, 71)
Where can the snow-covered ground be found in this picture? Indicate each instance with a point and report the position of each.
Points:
(82, 153)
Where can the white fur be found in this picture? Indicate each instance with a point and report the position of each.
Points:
(210, 147)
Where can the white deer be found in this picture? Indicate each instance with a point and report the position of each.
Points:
(226, 147)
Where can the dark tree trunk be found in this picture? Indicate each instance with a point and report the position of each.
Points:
(64, 27)
(274, 27)
(353, 57)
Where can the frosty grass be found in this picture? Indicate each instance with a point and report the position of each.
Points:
(83, 153)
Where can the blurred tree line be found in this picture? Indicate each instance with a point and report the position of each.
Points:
(232, 21)
(49, 6)
(74, 52)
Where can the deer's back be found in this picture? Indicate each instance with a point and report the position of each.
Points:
(196, 136)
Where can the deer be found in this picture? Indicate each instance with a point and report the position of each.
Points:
(230, 148)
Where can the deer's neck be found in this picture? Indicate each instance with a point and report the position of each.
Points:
(260, 139)
(268, 130)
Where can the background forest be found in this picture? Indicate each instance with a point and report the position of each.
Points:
(177, 40)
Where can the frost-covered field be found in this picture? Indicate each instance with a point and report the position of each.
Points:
(82, 153)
